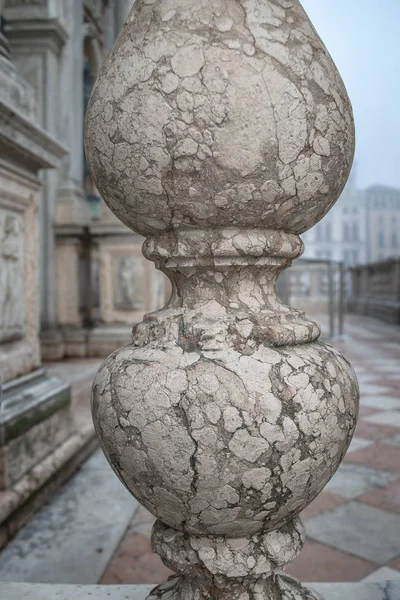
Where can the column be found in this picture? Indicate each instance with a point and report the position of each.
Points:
(37, 35)
(72, 207)
(123, 8)
(35, 418)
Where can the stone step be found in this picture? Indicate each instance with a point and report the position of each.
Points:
(72, 539)
(329, 591)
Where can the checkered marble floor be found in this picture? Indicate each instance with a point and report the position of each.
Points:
(93, 530)
(353, 526)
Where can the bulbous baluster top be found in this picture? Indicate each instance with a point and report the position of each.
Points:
(216, 113)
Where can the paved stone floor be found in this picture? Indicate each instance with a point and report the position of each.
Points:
(353, 526)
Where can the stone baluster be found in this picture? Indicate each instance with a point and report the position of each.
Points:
(221, 130)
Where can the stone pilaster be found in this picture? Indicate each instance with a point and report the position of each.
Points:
(37, 34)
(220, 132)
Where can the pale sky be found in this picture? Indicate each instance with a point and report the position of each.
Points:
(363, 37)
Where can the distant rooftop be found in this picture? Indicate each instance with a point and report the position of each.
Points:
(379, 188)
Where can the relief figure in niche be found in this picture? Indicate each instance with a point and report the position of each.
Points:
(129, 284)
(11, 278)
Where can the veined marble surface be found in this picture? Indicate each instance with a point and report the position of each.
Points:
(329, 591)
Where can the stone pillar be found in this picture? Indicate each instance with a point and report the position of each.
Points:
(221, 132)
(35, 418)
(37, 34)
(123, 8)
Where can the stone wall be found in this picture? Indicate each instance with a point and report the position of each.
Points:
(91, 269)
(36, 424)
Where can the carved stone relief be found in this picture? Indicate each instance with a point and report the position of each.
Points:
(12, 268)
(128, 283)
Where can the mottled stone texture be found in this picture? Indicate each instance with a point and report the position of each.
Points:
(221, 130)
(240, 118)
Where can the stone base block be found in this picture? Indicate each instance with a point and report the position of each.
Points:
(104, 340)
(29, 401)
(52, 345)
(39, 446)
(24, 452)
(28, 495)
(81, 342)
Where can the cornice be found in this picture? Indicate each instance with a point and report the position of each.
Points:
(47, 33)
(21, 138)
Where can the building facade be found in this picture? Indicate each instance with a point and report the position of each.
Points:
(94, 282)
(383, 223)
(362, 228)
(342, 235)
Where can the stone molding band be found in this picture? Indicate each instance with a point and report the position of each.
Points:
(225, 246)
(231, 558)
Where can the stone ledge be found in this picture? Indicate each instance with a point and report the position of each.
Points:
(24, 138)
(328, 591)
(20, 502)
(30, 400)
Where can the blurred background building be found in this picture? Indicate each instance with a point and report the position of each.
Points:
(65, 257)
(72, 277)
(351, 258)
(362, 227)
(94, 282)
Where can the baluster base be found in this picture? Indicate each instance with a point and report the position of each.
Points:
(277, 587)
(223, 568)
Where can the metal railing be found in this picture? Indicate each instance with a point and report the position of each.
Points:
(318, 287)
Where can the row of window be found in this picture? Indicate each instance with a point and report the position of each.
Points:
(394, 240)
(393, 220)
(350, 257)
(385, 203)
(350, 231)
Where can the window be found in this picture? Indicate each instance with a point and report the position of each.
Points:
(321, 283)
(395, 242)
(328, 230)
(381, 240)
(347, 257)
(355, 231)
